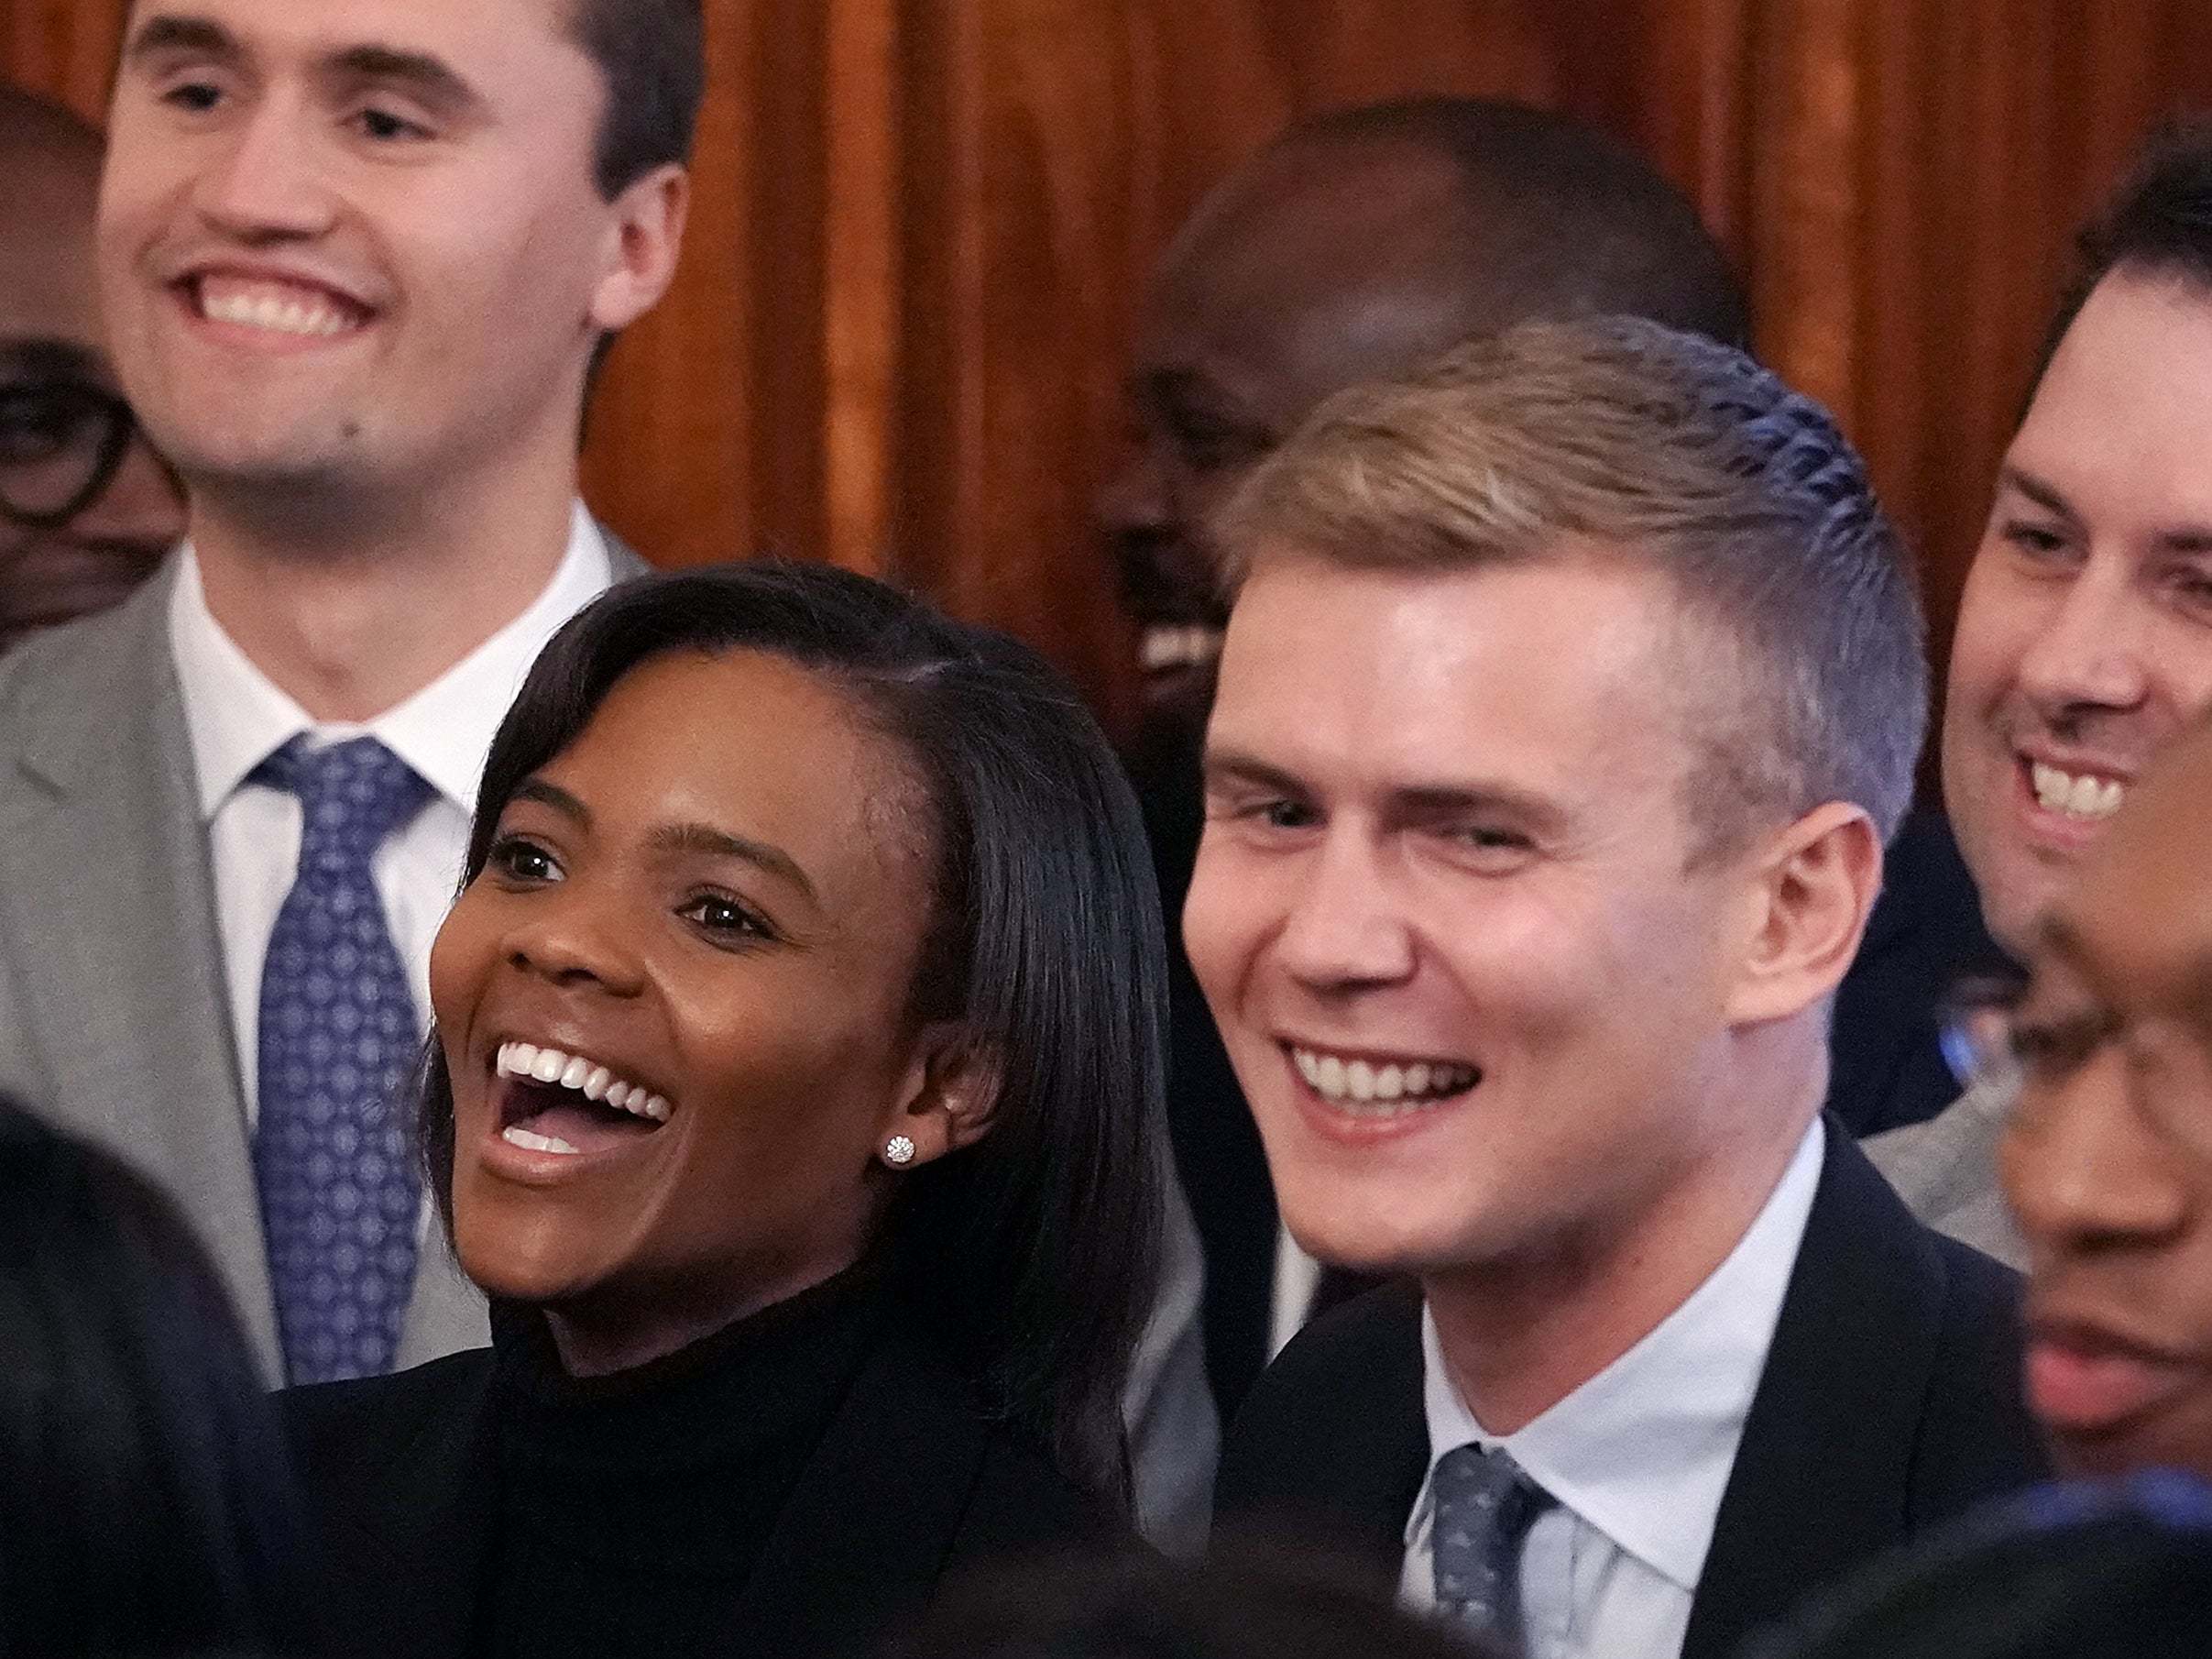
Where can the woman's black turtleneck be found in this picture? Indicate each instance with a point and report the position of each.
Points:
(633, 1507)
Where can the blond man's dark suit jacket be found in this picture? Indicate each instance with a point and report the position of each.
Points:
(1890, 1401)
(114, 1022)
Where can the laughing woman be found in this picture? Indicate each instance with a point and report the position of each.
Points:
(795, 1096)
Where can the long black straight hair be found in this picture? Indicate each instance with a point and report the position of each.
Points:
(1031, 1254)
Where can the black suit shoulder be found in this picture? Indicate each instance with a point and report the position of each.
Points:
(1889, 1401)
(1975, 1438)
(1024, 1506)
(1330, 1446)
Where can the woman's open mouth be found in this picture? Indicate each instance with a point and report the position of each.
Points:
(569, 1104)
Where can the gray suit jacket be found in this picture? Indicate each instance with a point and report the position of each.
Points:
(115, 1024)
(113, 1018)
(1945, 1170)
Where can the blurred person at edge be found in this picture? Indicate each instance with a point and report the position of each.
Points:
(2107, 1159)
(86, 512)
(146, 1502)
(1356, 245)
(2084, 631)
(1572, 686)
(2095, 1571)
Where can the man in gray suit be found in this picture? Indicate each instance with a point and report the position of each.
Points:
(2085, 633)
(356, 263)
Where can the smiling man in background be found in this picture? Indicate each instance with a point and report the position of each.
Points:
(357, 262)
(86, 513)
(1572, 688)
(2084, 632)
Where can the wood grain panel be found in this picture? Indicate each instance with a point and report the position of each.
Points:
(919, 230)
(693, 417)
(64, 50)
(1917, 169)
(1059, 144)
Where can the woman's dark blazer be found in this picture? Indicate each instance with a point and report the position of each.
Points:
(910, 1481)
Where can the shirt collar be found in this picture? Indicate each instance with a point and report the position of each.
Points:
(1642, 1450)
(238, 717)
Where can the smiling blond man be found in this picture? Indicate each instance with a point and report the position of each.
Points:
(355, 262)
(1571, 687)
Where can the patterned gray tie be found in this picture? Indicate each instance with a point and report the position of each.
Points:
(1484, 1508)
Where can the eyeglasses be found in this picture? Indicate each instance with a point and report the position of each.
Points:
(62, 443)
(2163, 1071)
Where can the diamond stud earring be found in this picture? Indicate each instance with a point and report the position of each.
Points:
(899, 1151)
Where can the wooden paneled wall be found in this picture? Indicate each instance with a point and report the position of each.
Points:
(920, 226)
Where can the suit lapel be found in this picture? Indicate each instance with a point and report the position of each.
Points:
(1382, 1454)
(1820, 1481)
(1331, 1445)
(868, 1528)
(106, 865)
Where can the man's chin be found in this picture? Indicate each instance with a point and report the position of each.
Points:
(2018, 894)
(1378, 1242)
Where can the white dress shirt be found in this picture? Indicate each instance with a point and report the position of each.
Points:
(237, 718)
(1297, 1278)
(1638, 1457)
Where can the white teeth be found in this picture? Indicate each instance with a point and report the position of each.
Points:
(1191, 647)
(516, 1135)
(277, 315)
(587, 1077)
(1368, 1090)
(2079, 796)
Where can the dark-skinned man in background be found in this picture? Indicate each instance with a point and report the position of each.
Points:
(86, 513)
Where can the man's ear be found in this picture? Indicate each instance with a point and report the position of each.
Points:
(645, 239)
(1815, 884)
(946, 1100)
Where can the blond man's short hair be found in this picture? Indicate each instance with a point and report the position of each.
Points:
(1557, 438)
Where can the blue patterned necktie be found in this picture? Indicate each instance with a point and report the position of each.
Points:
(340, 1203)
(1484, 1508)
